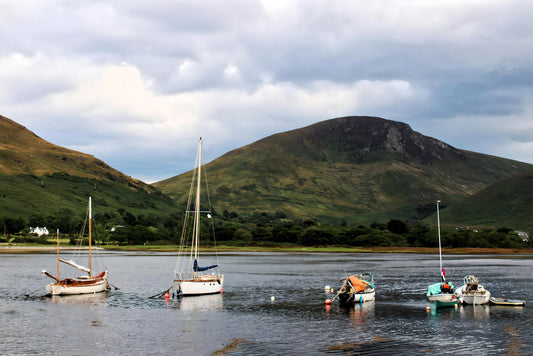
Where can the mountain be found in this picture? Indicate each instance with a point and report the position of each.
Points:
(38, 177)
(506, 203)
(350, 169)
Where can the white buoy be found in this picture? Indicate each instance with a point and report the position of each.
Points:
(272, 298)
(327, 288)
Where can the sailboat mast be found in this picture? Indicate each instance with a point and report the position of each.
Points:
(90, 237)
(438, 231)
(197, 201)
(57, 253)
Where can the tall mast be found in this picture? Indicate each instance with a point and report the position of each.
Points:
(90, 238)
(197, 202)
(58, 254)
(438, 231)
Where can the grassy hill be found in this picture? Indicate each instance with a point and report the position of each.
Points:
(37, 177)
(352, 169)
(506, 203)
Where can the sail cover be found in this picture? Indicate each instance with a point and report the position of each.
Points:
(74, 264)
(197, 268)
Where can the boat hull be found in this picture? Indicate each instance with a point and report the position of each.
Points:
(480, 296)
(78, 286)
(199, 286)
(353, 298)
(448, 303)
(507, 302)
(442, 298)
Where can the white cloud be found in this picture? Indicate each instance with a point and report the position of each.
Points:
(136, 83)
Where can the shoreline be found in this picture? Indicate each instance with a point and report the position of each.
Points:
(29, 249)
(13, 248)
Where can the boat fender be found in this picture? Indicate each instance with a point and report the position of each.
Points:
(360, 299)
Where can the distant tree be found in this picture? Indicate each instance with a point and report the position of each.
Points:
(261, 233)
(315, 235)
(13, 225)
(36, 220)
(397, 226)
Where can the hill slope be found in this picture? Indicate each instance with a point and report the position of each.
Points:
(37, 177)
(506, 203)
(353, 169)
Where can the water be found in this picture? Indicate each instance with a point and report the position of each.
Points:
(245, 321)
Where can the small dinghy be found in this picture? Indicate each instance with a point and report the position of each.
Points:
(357, 288)
(507, 302)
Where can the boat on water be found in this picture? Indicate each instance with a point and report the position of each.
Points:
(357, 288)
(471, 292)
(442, 292)
(507, 302)
(88, 284)
(191, 278)
(448, 303)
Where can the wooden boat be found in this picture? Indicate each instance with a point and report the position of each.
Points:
(80, 285)
(443, 292)
(189, 278)
(471, 292)
(507, 302)
(357, 288)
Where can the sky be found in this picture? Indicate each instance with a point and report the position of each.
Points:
(135, 83)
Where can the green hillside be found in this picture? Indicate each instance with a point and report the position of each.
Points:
(352, 169)
(506, 203)
(37, 177)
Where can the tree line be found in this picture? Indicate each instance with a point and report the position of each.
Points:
(258, 229)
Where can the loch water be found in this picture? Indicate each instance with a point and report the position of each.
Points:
(244, 320)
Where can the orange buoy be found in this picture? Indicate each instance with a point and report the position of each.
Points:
(167, 296)
(328, 301)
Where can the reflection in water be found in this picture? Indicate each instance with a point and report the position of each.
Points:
(475, 312)
(442, 313)
(212, 302)
(97, 299)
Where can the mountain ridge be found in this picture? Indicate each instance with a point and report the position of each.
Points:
(353, 169)
(39, 177)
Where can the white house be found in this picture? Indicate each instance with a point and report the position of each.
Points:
(523, 235)
(39, 231)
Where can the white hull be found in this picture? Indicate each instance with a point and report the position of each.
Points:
(367, 297)
(200, 286)
(98, 286)
(443, 297)
(480, 296)
(475, 297)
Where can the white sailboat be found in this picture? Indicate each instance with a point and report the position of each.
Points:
(190, 278)
(442, 293)
(80, 285)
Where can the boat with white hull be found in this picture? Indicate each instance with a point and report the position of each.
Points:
(471, 292)
(443, 292)
(357, 288)
(190, 278)
(81, 285)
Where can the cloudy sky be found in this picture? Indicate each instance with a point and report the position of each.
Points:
(136, 83)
